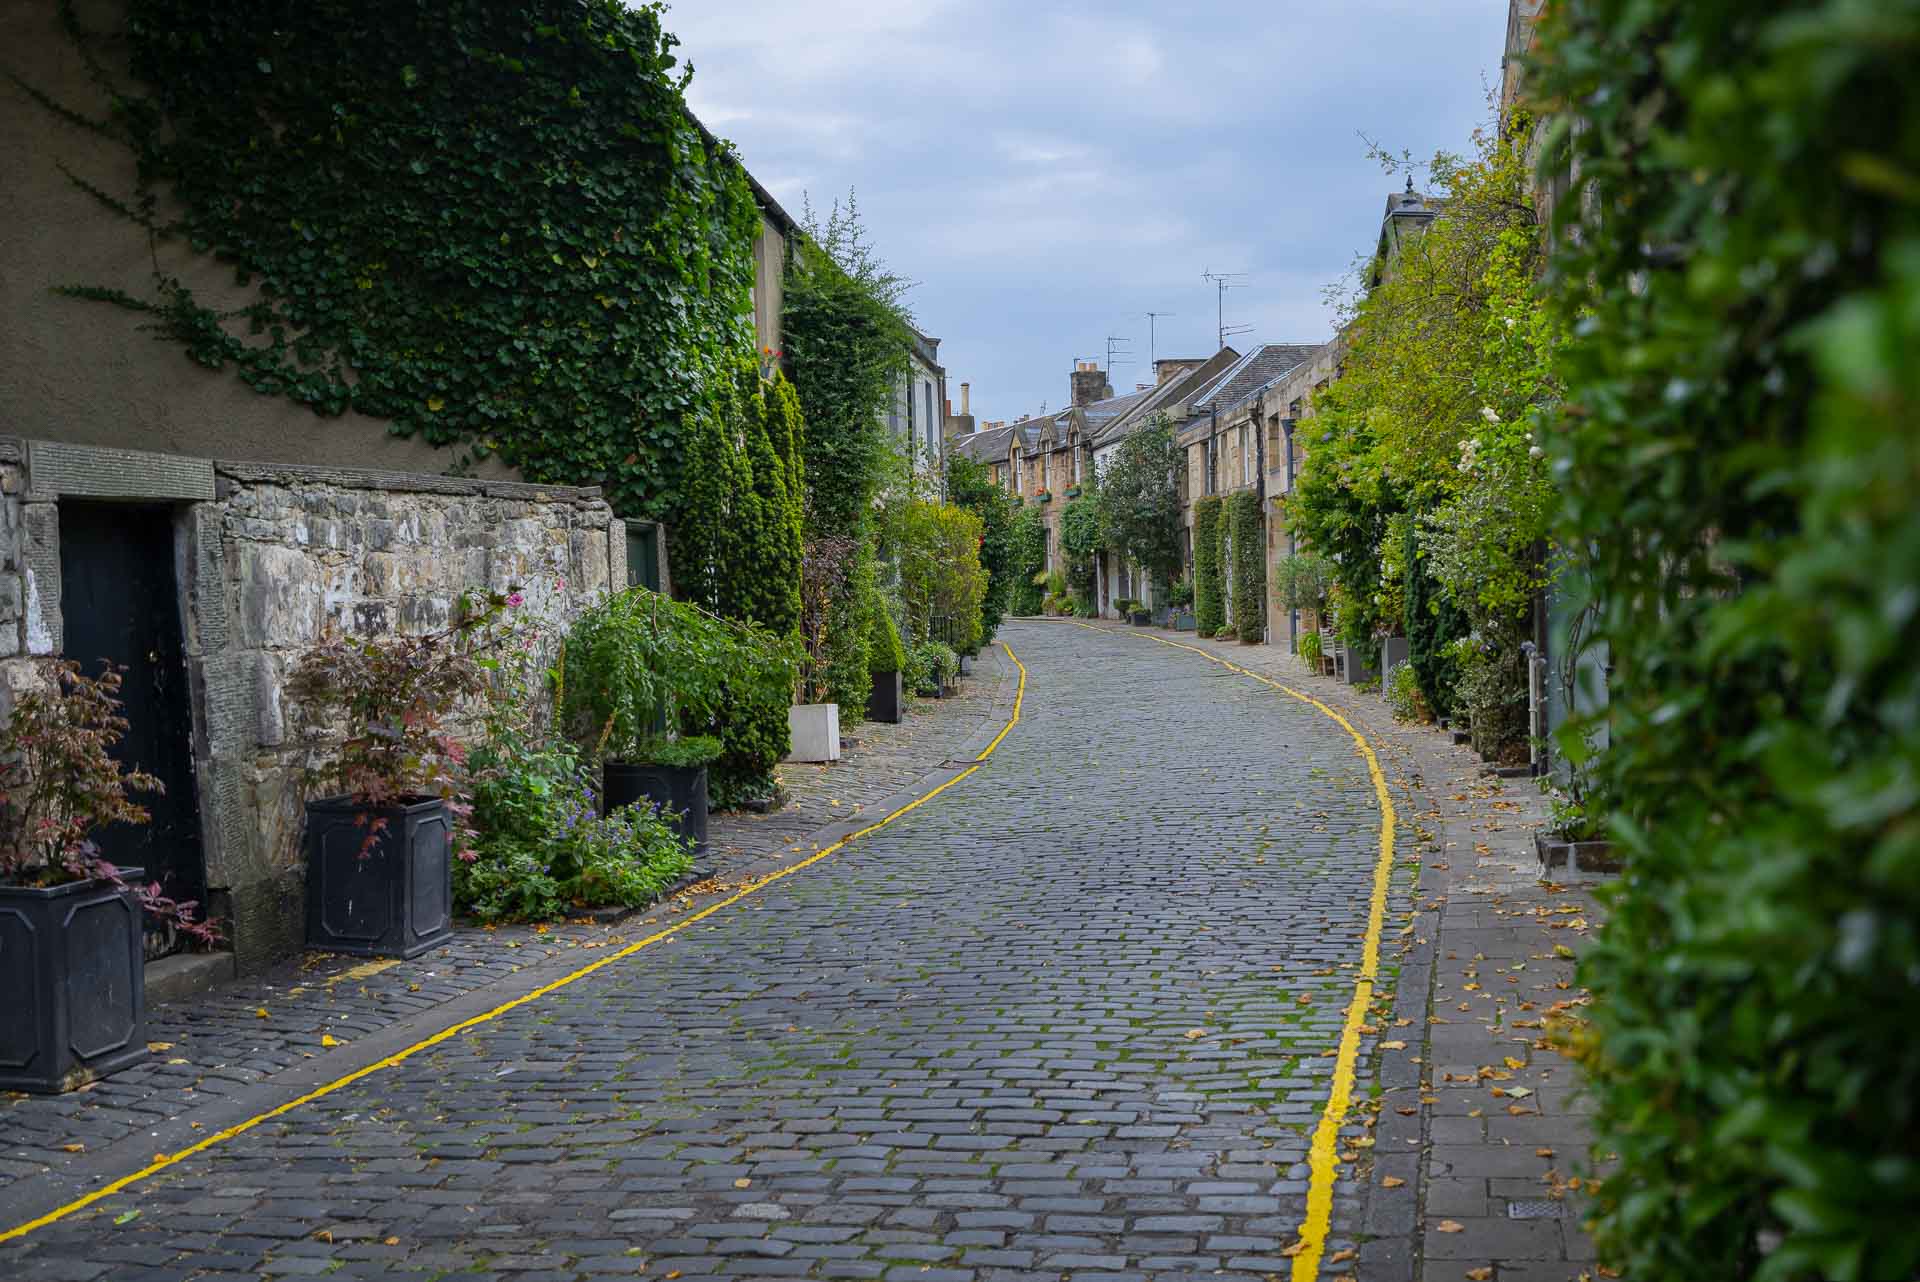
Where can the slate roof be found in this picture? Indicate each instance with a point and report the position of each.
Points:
(1153, 400)
(1252, 372)
(985, 446)
(1113, 407)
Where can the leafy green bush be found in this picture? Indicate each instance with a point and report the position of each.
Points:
(533, 843)
(1029, 560)
(541, 848)
(639, 664)
(1739, 476)
(1433, 623)
(1310, 650)
(936, 548)
(1403, 695)
(1208, 605)
(970, 486)
(1249, 566)
(1080, 542)
(930, 665)
(885, 654)
(1180, 594)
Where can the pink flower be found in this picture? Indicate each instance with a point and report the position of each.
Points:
(516, 599)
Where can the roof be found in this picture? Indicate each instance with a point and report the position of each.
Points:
(1163, 395)
(984, 446)
(1252, 372)
(1102, 411)
(768, 205)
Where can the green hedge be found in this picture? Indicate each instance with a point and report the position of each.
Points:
(1030, 560)
(1249, 566)
(1739, 464)
(1208, 608)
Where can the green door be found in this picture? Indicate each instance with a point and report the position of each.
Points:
(643, 557)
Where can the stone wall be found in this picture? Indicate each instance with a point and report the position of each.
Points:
(271, 559)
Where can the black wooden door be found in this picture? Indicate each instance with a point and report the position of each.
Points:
(120, 603)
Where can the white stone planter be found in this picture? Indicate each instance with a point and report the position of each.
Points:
(816, 731)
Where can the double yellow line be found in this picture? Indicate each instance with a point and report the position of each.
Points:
(1321, 1160)
(162, 1161)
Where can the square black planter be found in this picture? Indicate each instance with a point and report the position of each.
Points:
(883, 703)
(391, 899)
(679, 791)
(72, 985)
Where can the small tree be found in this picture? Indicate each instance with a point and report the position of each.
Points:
(1080, 542)
(970, 485)
(1140, 499)
(1029, 561)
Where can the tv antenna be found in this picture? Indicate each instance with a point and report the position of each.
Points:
(1153, 347)
(1222, 282)
(1113, 350)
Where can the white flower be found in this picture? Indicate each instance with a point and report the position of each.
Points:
(1486, 412)
(1536, 452)
(1511, 322)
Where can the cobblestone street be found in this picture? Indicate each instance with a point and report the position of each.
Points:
(1076, 1014)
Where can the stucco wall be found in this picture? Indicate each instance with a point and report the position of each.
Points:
(86, 372)
(272, 558)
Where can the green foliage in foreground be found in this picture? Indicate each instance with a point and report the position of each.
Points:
(1739, 462)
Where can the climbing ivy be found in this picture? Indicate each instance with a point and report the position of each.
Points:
(1249, 566)
(1209, 608)
(494, 225)
(1029, 560)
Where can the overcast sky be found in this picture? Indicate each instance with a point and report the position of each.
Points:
(1051, 172)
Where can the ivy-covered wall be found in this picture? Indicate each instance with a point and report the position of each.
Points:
(516, 250)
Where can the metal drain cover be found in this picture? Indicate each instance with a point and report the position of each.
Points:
(1538, 1208)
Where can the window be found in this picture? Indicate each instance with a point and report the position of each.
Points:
(1213, 465)
(910, 433)
(933, 428)
(1246, 454)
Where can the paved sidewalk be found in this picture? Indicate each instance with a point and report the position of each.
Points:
(1502, 1125)
(227, 1044)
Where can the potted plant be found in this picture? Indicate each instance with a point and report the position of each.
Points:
(380, 850)
(813, 719)
(1042, 495)
(1574, 841)
(1180, 606)
(886, 660)
(640, 668)
(72, 972)
(1073, 491)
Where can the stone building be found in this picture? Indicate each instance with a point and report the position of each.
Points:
(917, 418)
(164, 516)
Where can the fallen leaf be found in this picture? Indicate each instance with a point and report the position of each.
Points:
(1451, 1226)
(1295, 1249)
(126, 1217)
(1543, 1152)
(260, 1012)
(1193, 1033)
(742, 1183)
(1391, 1182)
(157, 1047)
(325, 1235)
(1511, 1062)
(1341, 1256)
(1481, 1274)
(392, 1241)
(73, 1148)
(1393, 1046)
(673, 1273)
(328, 1039)
(1519, 1092)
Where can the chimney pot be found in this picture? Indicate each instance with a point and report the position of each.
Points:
(964, 392)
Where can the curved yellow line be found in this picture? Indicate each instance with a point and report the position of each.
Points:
(1321, 1160)
(162, 1161)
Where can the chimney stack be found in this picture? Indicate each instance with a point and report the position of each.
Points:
(965, 390)
(1090, 383)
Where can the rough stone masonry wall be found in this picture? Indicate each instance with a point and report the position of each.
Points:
(272, 561)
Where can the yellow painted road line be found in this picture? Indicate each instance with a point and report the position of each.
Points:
(162, 1161)
(1321, 1161)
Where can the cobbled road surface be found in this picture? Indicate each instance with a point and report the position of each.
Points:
(1072, 1016)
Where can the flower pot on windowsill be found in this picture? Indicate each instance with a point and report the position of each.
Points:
(678, 792)
(1041, 496)
(885, 701)
(815, 732)
(1562, 859)
(72, 981)
(388, 897)
(1073, 491)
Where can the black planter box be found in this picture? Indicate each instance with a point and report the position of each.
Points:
(1563, 859)
(1140, 618)
(679, 791)
(72, 985)
(393, 900)
(883, 704)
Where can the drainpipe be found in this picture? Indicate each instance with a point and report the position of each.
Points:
(1259, 435)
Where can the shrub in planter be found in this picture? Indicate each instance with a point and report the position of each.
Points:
(932, 665)
(677, 702)
(1403, 694)
(886, 661)
(379, 852)
(71, 968)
